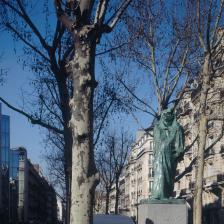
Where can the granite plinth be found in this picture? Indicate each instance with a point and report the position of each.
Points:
(162, 212)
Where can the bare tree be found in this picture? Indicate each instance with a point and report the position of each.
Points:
(86, 34)
(111, 160)
(208, 17)
(50, 54)
(120, 149)
(106, 170)
(158, 43)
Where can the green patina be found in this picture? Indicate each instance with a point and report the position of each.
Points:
(168, 148)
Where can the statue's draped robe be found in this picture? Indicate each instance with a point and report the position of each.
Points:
(168, 146)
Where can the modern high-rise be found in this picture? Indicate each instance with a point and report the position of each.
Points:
(4, 166)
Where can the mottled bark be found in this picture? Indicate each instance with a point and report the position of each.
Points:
(84, 173)
(203, 120)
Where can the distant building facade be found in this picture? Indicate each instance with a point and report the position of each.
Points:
(32, 198)
(100, 201)
(136, 181)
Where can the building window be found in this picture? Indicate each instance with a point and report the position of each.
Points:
(221, 94)
(196, 116)
(150, 159)
(150, 185)
(151, 146)
(151, 172)
(222, 149)
(211, 124)
(178, 185)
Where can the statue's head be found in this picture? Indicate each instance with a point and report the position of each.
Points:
(167, 117)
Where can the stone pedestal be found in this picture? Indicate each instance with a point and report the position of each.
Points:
(160, 212)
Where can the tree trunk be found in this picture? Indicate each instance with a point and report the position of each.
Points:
(66, 115)
(202, 142)
(84, 174)
(117, 194)
(107, 202)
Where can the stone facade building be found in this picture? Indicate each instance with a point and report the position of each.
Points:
(138, 174)
(213, 195)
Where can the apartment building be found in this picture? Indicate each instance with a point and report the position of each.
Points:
(213, 195)
(32, 198)
(138, 173)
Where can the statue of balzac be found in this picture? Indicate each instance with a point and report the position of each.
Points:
(168, 148)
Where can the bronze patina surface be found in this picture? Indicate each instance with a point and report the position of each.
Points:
(168, 148)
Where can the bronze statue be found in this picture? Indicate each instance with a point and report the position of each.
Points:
(168, 147)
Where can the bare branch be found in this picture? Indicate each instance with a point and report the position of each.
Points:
(168, 67)
(26, 42)
(32, 119)
(111, 49)
(208, 43)
(200, 36)
(59, 31)
(141, 101)
(154, 72)
(189, 168)
(102, 121)
(101, 11)
(177, 76)
(62, 16)
(219, 16)
(32, 26)
(116, 16)
(50, 110)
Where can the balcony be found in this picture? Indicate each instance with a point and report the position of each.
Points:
(183, 192)
(221, 93)
(179, 111)
(187, 108)
(222, 150)
(209, 155)
(191, 185)
(211, 180)
(210, 125)
(186, 129)
(196, 116)
(220, 177)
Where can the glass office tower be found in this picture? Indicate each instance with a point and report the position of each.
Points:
(14, 163)
(4, 165)
(5, 142)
